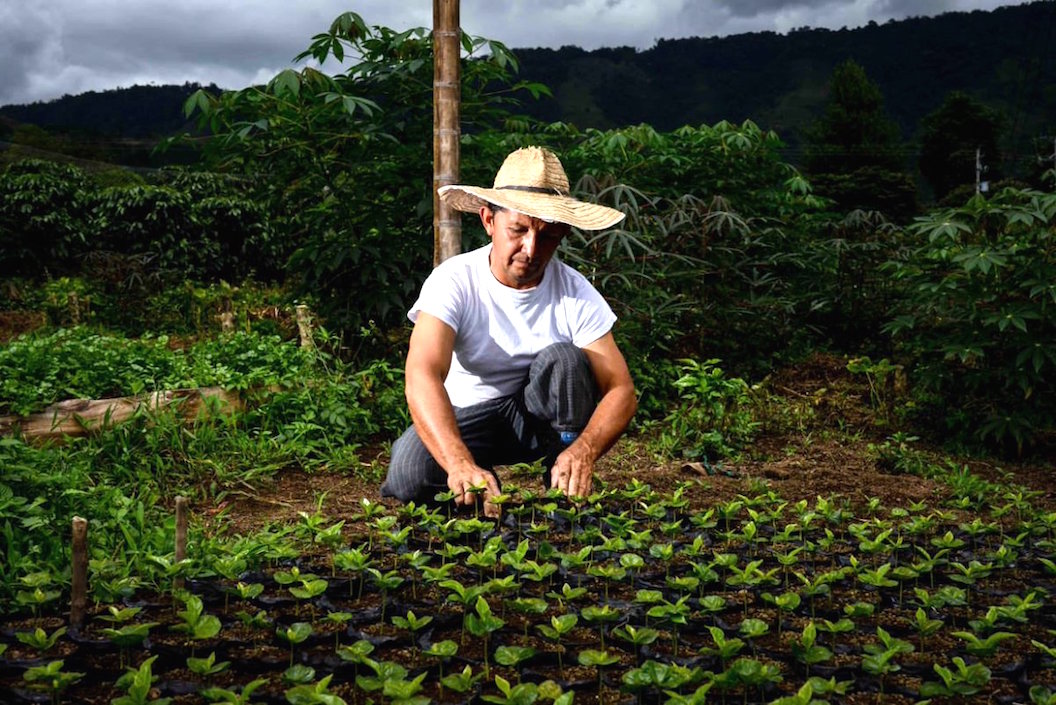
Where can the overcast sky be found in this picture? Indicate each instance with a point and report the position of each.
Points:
(49, 48)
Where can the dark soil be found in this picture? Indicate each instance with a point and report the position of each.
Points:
(822, 443)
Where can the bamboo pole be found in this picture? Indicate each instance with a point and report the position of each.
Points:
(79, 573)
(447, 95)
(180, 551)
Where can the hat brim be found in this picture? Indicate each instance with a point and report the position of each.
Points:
(546, 206)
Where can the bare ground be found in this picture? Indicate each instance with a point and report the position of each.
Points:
(827, 449)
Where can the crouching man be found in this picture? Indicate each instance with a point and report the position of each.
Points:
(512, 357)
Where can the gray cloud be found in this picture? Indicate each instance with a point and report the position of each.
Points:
(53, 47)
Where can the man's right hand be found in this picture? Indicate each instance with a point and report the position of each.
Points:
(463, 481)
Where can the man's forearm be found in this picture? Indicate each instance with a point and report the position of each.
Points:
(609, 420)
(434, 418)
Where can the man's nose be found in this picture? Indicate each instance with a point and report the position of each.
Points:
(528, 244)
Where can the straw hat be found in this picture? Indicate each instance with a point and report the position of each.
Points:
(532, 181)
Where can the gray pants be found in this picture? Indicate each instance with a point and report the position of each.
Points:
(559, 394)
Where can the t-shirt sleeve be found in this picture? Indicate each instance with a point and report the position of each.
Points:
(594, 317)
(440, 297)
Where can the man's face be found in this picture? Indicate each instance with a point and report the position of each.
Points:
(521, 246)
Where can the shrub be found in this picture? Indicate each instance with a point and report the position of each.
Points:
(43, 209)
(979, 317)
(714, 418)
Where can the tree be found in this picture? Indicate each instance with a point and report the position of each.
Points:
(949, 138)
(854, 132)
(854, 149)
(342, 162)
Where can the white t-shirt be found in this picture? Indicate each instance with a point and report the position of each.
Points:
(499, 330)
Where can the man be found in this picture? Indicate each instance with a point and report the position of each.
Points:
(512, 357)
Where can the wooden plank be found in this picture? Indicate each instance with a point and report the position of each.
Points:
(80, 417)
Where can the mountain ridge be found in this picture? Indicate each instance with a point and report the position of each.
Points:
(1006, 58)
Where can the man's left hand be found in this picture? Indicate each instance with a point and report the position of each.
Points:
(573, 471)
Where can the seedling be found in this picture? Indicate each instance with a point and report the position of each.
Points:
(318, 694)
(748, 673)
(807, 651)
(127, 636)
(1040, 695)
(725, 648)
(840, 626)
(355, 561)
(567, 594)
(482, 623)
(244, 696)
(713, 604)
(888, 643)
(340, 619)
(207, 666)
(256, 620)
(463, 681)
(674, 613)
(520, 694)
(513, 656)
(249, 591)
(197, 625)
(963, 680)
(137, 684)
(575, 560)
(786, 603)
(831, 686)
(925, 626)
(601, 616)
(442, 651)
(411, 622)
(983, 647)
(879, 664)
(877, 577)
(39, 591)
(386, 583)
(119, 615)
(51, 679)
(462, 595)
(638, 637)
(40, 639)
(528, 606)
(298, 674)
(753, 629)
(357, 654)
(294, 634)
(559, 626)
(803, 696)
(599, 659)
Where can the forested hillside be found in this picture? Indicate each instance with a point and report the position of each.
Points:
(1005, 58)
(139, 111)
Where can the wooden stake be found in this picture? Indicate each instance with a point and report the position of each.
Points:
(447, 95)
(227, 317)
(181, 536)
(79, 570)
(304, 325)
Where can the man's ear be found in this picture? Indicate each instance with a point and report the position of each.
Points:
(487, 219)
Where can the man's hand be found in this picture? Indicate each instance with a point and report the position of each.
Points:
(573, 471)
(464, 480)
